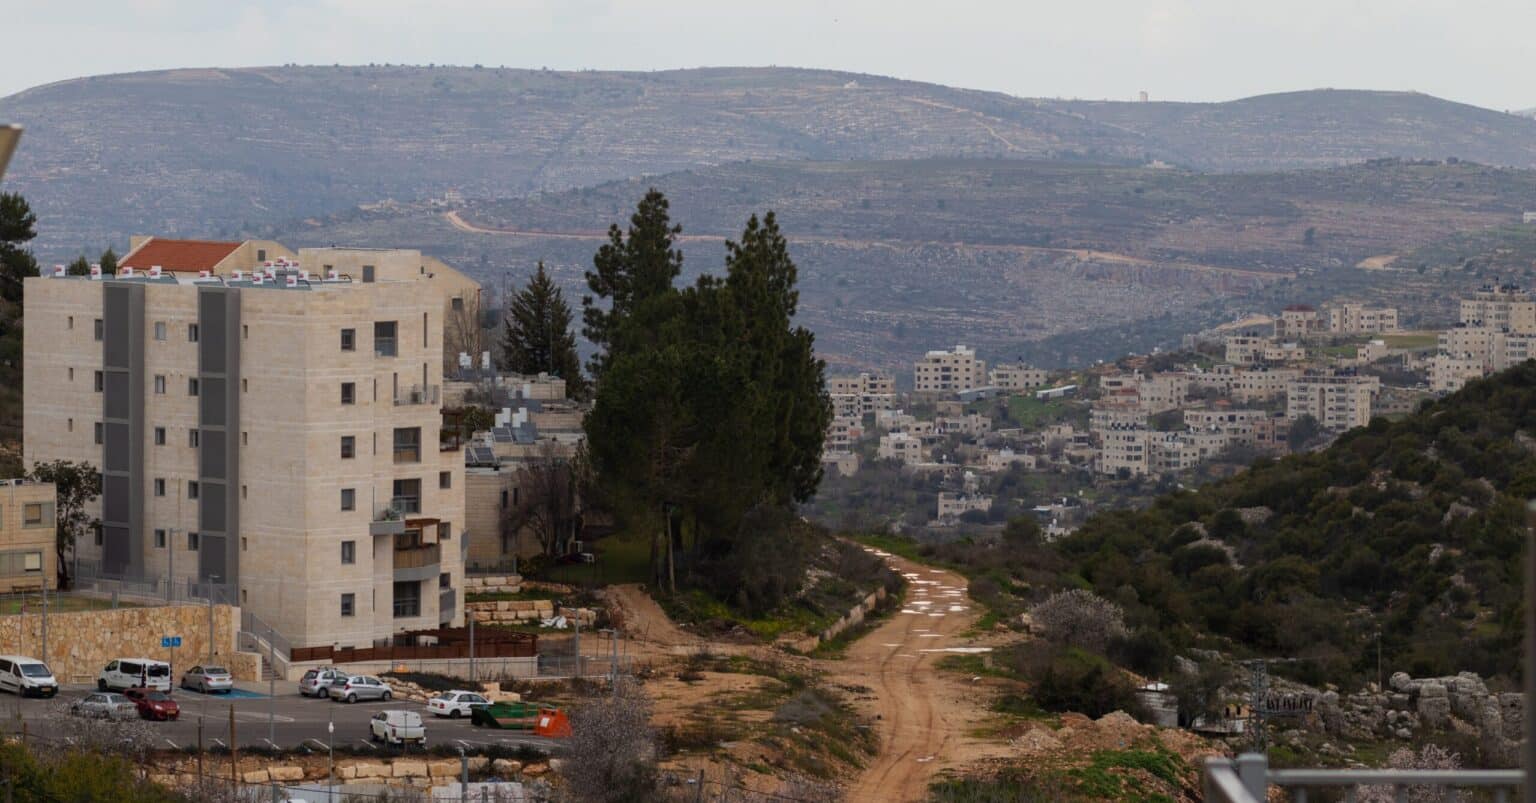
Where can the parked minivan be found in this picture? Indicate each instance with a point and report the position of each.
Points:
(26, 676)
(129, 673)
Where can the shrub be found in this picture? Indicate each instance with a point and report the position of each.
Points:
(612, 749)
(1079, 618)
(1086, 683)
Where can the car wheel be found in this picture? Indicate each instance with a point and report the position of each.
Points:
(352, 698)
(454, 714)
(386, 697)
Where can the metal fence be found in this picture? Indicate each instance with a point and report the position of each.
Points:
(1248, 778)
(151, 589)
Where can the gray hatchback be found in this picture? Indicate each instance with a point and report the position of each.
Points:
(360, 687)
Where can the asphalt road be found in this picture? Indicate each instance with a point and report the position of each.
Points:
(286, 721)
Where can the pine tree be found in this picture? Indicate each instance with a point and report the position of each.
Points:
(80, 267)
(109, 262)
(17, 226)
(538, 337)
(627, 271)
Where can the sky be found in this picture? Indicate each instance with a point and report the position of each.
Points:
(1474, 51)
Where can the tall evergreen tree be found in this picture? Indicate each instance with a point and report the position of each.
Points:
(80, 267)
(538, 337)
(109, 262)
(627, 271)
(17, 226)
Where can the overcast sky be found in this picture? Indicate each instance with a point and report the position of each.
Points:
(1475, 51)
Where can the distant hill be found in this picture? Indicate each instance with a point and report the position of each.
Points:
(219, 152)
(1317, 128)
(1415, 528)
(898, 257)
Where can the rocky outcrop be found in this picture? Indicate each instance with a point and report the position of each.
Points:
(1411, 707)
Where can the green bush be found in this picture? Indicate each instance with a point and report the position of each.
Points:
(1086, 683)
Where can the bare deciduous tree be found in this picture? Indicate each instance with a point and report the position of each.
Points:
(548, 500)
(465, 332)
(1079, 618)
(1428, 757)
(612, 749)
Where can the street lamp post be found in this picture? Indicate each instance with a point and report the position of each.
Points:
(213, 580)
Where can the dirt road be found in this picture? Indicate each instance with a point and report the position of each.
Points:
(921, 728)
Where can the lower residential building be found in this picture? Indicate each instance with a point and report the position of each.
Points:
(1337, 401)
(28, 558)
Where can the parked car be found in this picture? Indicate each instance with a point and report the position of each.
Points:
(153, 704)
(455, 704)
(208, 679)
(26, 676)
(360, 687)
(317, 682)
(104, 705)
(397, 727)
(128, 673)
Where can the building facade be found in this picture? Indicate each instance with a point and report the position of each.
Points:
(1351, 318)
(1506, 307)
(28, 558)
(1337, 401)
(276, 435)
(949, 371)
(1017, 377)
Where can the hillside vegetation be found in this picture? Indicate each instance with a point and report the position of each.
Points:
(1413, 529)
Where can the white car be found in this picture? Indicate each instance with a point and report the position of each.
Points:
(397, 727)
(455, 704)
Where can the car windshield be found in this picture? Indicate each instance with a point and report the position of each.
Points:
(159, 671)
(215, 670)
(35, 670)
(446, 695)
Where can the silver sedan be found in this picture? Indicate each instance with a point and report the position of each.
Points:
(208, 679)
(104, 705)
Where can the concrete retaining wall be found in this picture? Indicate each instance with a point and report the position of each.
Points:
(854, 616)
(458, 667)
(82, 642)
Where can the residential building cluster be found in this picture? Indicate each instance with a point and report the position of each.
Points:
(1496, 329)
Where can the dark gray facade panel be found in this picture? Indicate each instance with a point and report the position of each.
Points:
(114, 549)
(123, 484)
(116, 448)
(212, 339)
(212, 461)
(218, 373)
(212, 557)
(114, 499)
(116, 397)
(213, 510)
(212, 404)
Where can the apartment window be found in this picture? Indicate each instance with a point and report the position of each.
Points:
(159, 539)
(348, 604)
(245, 385)
(245, 331)
(159, 383)
(349, 340)
(192, 541)
(192, 333)
(243, 544)
(367, 273)
(348, 499)
(32, 514)
(261, 255)
(458, 304)
(194, 438)
(503, 500)
(245, 439)
(98, 433)
(348, 447)
(99, 382)
(348, 552)
(159, 330)
(159, 436)
(445, 479)
(96, 533)
(32, 561)
(98, 329)
(384, 339)
(407, 599)
(445, 580)
(159, 486)
(70, 424)
(71, 374)
(192, 490)
(349, 393)
(192, 387)
(71, 324)
(407, 496)
(444, 531)
(408, 444)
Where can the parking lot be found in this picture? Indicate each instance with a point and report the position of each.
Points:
(285, 721)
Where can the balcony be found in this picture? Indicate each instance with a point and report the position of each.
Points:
(414, 564)
(418, 394)
(387, 522)
(402, 505)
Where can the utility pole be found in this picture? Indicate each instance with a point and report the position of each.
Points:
(1258, 701)
(234, 752)
(45, 620)
(213, 580)
(464, 773)
(330, 755)
(200, 775)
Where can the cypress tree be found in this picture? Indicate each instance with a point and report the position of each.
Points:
(538, 337)
(627, 271)
(17, 226)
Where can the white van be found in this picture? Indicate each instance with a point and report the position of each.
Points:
(26, 677)
(132, 673)
(397, 727)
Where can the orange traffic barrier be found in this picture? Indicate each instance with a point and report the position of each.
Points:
(552, 723)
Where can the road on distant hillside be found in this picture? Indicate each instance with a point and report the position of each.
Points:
(919, 729)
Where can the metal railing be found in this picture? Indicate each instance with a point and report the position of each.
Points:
(1247, 779)
(417, 394)
(259, 637)
(89, 580)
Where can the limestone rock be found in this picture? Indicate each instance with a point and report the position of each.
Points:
(506, 767)
(444, 769)
(410, 769)
(255, 776)
(286, 773)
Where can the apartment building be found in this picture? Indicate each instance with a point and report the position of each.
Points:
(1465, 353)
(277, 434)
(1246, 350)
(1017, 377)
(949, 371)
(1172, 452)
(1244, 385)
(1351, 319)
(1005, 458)
(901, 446)
(953, 505)
(1255, 428)
(1147, 394)
(1299, 321)
(1123, 450)
(28, 558)
(1107, 416)
(967, 424)
(843, 433)
(1337, 401)
(861, 394)
(1504, 307)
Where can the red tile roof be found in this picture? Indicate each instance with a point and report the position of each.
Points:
(179, 255)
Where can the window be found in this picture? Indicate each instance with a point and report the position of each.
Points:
(100, 381)
(444, 531)
(407, 599)
(349, 340)
(159, 330)
(194, 438)
(503, 500)
(348, 447)
(243, 545)
(384, 339)
(367, 273)
(348, 552)
(71, 324)
(98, 432)
(70, 424)
(98, 329)
(458, 303)
(245, 439)
(348, 499)
(32, 561)
(97, 533)
(159, 486)
(159, 436)
(159, 539)
(192, 541)
(407, 496)
(445, 479)
(159, 384)
(245, 385)
(191, 387)
(348, 604)
(192, 490)
(32, 514)
(261, 255)
(445, 580)
(245, 331)
(71, 374)
(408, 444)
(192, 333)
(349, 393)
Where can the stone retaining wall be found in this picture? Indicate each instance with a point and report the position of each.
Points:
(529, 610)
(510, 584)
(853, 617)
(80, 643)
(404, 771)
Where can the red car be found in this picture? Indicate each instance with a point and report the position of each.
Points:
(153, 704)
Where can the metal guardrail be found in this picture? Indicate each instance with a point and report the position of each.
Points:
(418, 394)
(1247, 779)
